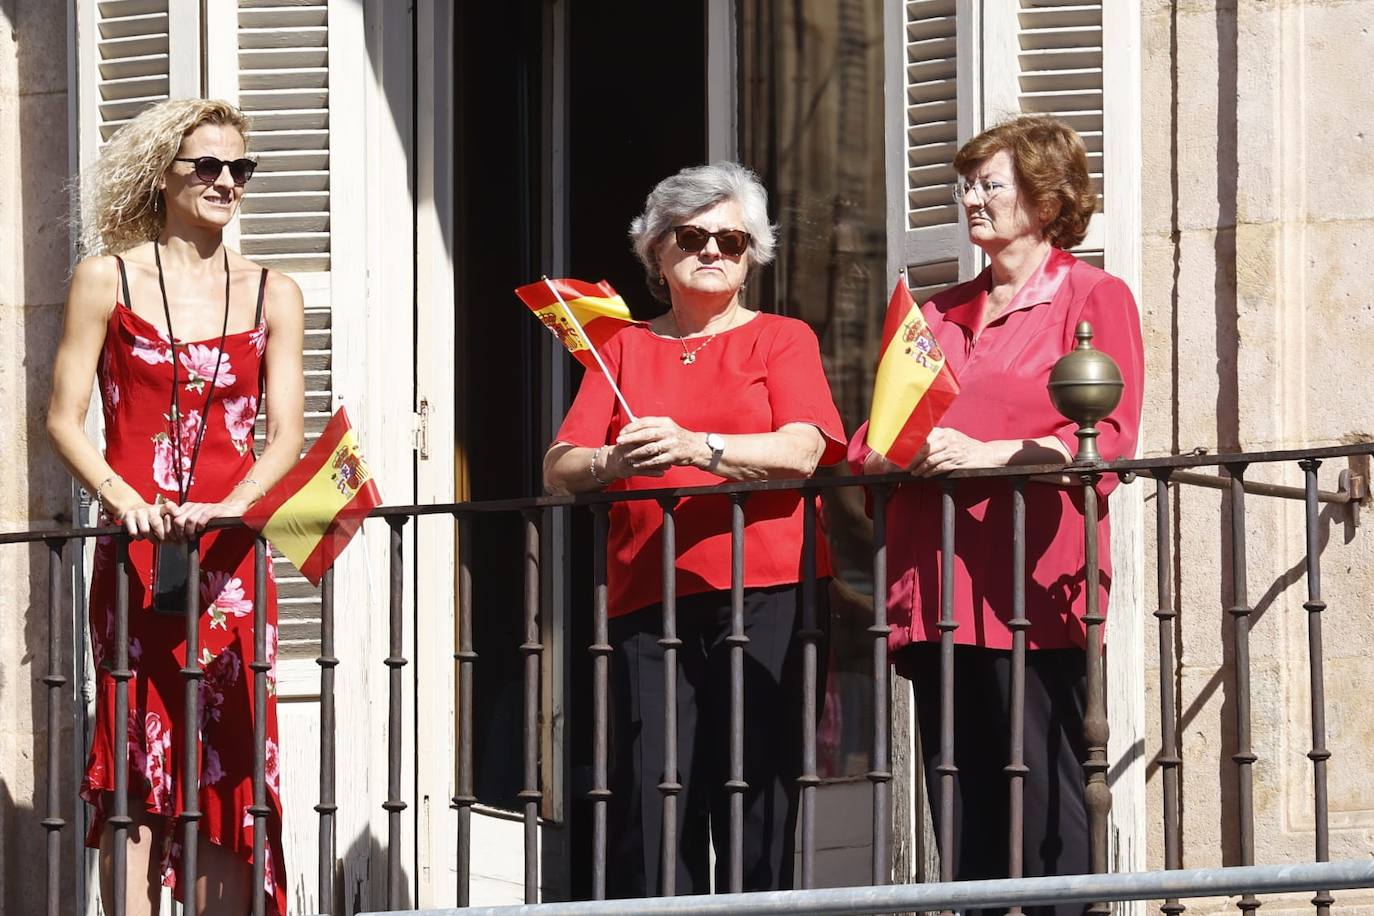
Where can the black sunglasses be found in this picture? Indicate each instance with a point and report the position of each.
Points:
(731, 242)
(209, 168)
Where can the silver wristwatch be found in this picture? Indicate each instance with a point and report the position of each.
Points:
(716, 443)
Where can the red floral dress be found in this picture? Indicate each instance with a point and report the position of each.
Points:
(135, 376)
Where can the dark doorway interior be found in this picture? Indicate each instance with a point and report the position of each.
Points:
(636, 96)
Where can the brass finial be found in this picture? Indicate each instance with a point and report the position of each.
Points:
(1085, 386)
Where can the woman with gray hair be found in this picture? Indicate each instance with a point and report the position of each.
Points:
(724, 393)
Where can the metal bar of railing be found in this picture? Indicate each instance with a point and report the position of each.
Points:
(971, 895)
(190, 738)
(395, 661)
(1018, 624)
(54, 681)
(736, 784)
(671, 783)
(260, 667)
(1317, 684)
(1240, 611)
(880, 770)
(119, 820)
(601, 655)
(810, 635)
(1257, 488)
(946, 769)
(465, 797)
(327, 807)
(532, 650)
(1097, 796)
(1170, 755)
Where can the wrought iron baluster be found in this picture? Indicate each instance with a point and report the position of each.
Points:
(947, 625)
(1170, 754)
(1240, 612)
(55, 681)
(810, 635)
(327, 807)
(1319, 753)
(121, 675)
(737, 785)
(532, 649)
(1097, 795)
(1018, 624)
(190, 767)
(395, 661)
(260, 667)
(669, 642)
(880, 765)
(601, 653)
(465, 797)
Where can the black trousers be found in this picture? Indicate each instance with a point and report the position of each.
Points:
(1055, 838)
(772, 741)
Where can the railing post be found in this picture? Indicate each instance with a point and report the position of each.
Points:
(669, 642)
(1018, 624)
(1097, 795)
(880, 766)
(259, 666)
(121, 675)
(465, 798)
(532, 649)
(190, 767)
(1317, 685)
(1170, 754)
(810, 635)
(600, 650)
(327, 806)
(55, 681)
(737, 640)
(1240, 611)
(395, 661)
(946, 769)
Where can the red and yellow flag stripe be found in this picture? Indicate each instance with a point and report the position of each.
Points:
(598, 309)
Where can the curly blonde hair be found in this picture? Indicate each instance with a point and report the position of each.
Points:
(119, 194)
(1051, 171)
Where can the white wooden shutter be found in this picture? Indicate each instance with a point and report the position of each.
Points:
(931, 108)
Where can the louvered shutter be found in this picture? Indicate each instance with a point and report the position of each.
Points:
(930, 109)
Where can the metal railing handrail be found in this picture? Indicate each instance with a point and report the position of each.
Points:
(1125, 468)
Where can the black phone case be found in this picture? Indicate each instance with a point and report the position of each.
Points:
(171, 571)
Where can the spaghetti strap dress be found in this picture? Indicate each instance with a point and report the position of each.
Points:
(135, 380)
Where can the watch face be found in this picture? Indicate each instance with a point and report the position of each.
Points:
(715, 442)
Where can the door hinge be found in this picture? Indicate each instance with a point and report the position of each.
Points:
(422, 430)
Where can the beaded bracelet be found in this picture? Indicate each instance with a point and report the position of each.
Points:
(595, 476)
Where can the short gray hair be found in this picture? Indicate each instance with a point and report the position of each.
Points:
(690, 191)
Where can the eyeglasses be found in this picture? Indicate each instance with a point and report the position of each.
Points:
(209, 168)
(983, 190)
(731, 242)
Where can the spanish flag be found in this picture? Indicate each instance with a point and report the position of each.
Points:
(914, 385)
(598, 310)
(314, 511)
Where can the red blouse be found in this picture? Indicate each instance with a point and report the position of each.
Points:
(753, 378)
(1003, 367)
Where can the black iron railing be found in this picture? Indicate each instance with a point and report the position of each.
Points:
(1167, 473)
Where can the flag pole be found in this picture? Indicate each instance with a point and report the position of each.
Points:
(590, 346)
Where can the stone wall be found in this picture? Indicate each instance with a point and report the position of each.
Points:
(1258, 214)
(34, 266)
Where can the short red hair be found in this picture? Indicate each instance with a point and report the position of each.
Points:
(1051, 166)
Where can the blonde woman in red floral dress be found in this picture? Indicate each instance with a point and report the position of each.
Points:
(187, 340)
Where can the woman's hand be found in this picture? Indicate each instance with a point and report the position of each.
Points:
(188, 520)
(949, 450)
(142, 520)
(650, 445)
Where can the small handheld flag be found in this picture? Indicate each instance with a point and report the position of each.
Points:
(314, 511)
(582, 316)
(914, 384)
